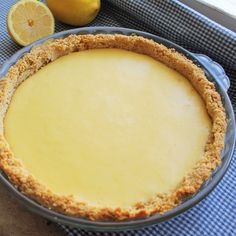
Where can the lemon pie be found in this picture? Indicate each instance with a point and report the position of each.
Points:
(109, 127)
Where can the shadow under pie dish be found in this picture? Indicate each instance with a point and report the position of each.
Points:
(109, 127)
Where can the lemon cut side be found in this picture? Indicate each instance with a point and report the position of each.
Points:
(28, 21)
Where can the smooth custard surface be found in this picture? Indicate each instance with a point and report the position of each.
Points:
(108, 126)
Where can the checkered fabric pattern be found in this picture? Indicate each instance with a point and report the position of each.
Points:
(216, 214)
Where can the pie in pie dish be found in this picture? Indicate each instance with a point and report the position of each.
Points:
(109, 127)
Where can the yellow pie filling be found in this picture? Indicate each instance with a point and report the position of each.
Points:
(108, 126)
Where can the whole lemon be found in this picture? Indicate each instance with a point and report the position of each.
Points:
(74, 12)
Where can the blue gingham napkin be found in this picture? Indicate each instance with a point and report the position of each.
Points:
(216, 214)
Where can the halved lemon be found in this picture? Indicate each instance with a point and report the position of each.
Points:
(28, 21)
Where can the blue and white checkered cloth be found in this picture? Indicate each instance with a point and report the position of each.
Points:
(216, 214)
